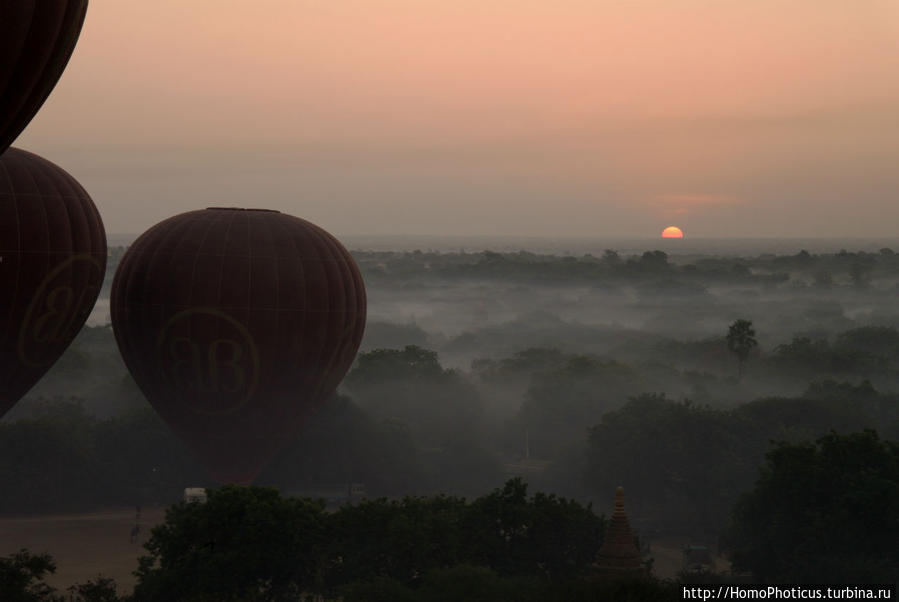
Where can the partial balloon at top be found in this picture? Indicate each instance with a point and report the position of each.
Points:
(52, 264)
(237, 324)
(37, 38)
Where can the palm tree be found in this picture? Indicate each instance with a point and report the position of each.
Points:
(740, 341)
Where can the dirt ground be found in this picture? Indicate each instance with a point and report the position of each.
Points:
(668, 557)
(83, 545)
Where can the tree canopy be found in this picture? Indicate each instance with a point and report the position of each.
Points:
(822, 512)
(243, 543)
(741, 340)
(252, 543)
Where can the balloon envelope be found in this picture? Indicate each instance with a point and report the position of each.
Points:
(37, 38)
(52, 264)
(236, 324)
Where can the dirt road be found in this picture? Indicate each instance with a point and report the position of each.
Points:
(83, 545)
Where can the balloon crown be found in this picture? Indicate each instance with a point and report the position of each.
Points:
(240, 209)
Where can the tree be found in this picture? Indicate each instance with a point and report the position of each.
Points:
(541, 535)
(410, 386)
(740, 341)
(398, 540)
(22, 578)
(249, 543)
(654, 261)
(243, 543)
(506, 531)
(611, 258)
(463, 582)
(679, 463)
(576, 392)
(877, 341)
(466, 582)
(409, 363)
(858, 270)
(103, 589)
(823, 512)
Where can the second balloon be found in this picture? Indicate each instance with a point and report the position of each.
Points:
(236, 324)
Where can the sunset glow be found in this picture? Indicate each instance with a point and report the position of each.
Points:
(502, 117)
(672, 232)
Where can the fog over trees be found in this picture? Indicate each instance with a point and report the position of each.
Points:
(709, 387)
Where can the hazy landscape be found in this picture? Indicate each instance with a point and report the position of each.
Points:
(495, 301)
(578, 373)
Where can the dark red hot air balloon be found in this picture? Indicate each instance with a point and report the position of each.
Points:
(236, 324)
(37, 38)
(52, 264)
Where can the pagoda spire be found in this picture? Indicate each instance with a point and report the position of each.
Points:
(618, 556)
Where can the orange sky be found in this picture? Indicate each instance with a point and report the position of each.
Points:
(727, 117)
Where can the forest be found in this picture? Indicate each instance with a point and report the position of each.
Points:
(716, 390)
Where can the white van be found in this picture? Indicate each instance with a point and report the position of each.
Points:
(195, 495)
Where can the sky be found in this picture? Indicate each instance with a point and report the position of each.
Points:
(728, 118)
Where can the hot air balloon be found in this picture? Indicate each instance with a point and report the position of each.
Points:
(236, 324)
(52, 264)
(37, 38)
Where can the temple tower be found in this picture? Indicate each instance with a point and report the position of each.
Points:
(618, 557)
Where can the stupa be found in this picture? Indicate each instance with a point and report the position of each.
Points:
(618, 557)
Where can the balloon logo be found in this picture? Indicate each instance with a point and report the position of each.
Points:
(218, 377)
(57, 311)
(52, 265)
(37, 38)
(237, 324)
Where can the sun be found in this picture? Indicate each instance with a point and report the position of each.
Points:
(672, 232)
